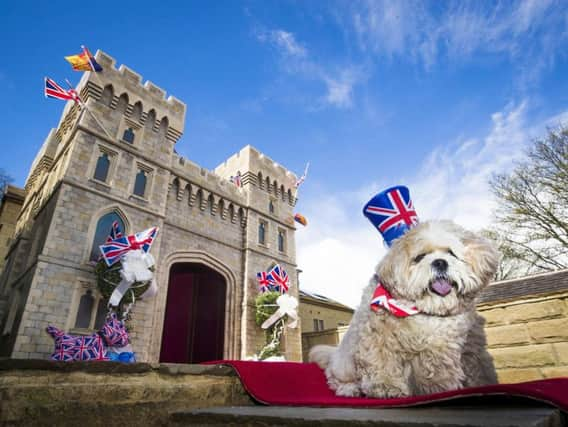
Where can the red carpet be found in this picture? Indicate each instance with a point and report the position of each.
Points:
(304, 384)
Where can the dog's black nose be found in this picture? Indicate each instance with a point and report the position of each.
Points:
(440, 264)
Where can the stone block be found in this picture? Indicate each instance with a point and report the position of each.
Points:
(561, 349)
(523, 356)
(521, 313)
(549, 330)
(511, 376)
(500, 336)
(555, 371)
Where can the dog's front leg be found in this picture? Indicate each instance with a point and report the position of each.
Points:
(436, 370)
(385, 375)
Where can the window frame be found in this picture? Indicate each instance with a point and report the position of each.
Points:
(262, 224)
(281, 234)
(141, 167)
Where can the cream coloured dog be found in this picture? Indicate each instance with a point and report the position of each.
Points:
(438, 268)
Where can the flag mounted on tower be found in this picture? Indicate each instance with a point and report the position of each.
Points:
(300, 180)
(53, 90)
(84, 61)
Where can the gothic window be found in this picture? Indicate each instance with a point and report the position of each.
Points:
(86, 303)
(102, 232)
(262, 232)
(128, 136)
(100, 314)
(107, 95)
(281, 240)
(163, 131)
(137, 111)
(282, 192)
(140, 183)
(150, 119)
(122, 103)
(101, 170)
(271, 207)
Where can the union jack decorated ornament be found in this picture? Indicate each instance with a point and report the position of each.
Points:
(392, 213)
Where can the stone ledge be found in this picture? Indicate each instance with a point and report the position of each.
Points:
(506, 415)
(7, 364)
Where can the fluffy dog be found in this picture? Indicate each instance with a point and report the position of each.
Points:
(439, 268)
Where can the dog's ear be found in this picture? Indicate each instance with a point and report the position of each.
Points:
(482, 255)
(394, 265)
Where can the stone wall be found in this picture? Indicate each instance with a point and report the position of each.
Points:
(327, 337)
(10, 207)
(528, 338)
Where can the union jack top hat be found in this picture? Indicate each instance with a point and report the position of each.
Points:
(391, 212)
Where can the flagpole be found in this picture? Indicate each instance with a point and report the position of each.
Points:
(84, 107)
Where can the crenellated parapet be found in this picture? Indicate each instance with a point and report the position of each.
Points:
(260, 172)
(123, 89)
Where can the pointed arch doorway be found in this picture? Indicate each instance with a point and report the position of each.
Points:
(194, 322)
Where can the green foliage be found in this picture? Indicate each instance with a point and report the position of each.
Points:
(265, 307)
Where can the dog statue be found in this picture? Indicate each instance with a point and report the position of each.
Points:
(416, 330)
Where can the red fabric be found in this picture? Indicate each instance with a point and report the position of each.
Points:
(304, 384)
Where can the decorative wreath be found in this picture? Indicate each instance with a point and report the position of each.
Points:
(108, 278)
(265, 307)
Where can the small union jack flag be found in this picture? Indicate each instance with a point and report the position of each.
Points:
(264, 283)
(115, 232)
(279, 279)
(301, 180)
(392, 212)
(53, 90)
(237, 180)
(383, 299)
(112, 252)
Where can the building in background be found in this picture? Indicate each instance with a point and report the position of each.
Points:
(324, 321)
(214, 235)
(10, 207)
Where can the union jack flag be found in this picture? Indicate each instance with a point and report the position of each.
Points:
(237, 180)
(115, 232)
(264, 282)
(279, 279)
(383, 299)
(114, 332)
(400, 213)
(53, 90)
(300, 180)
(113, 251)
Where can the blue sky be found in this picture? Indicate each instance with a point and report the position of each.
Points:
(435, 95)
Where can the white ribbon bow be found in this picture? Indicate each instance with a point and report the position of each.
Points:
(135, 268)
(287, 305)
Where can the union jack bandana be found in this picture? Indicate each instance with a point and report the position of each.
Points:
(383, 299)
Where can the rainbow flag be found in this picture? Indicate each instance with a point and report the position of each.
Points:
(83, 61)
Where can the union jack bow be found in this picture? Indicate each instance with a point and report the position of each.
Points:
(383, 299)
(279, 279)
(392, 212)
(53, 90)
(112, 252)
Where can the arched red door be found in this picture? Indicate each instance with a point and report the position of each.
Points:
(194, 323)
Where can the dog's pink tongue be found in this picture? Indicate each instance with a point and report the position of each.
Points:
(442, 287)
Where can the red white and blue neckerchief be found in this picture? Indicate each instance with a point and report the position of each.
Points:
(392, 212)
(382, 299)
(264, 283)
(112, 252)
(279, 279)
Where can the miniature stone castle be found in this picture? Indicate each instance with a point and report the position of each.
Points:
(116, 161)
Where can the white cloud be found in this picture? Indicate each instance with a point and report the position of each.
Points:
(339, 249)
(286, 42)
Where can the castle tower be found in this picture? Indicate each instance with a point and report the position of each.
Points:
(116, 161)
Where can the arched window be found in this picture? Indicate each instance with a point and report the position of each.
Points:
(282, 192)
(101, 170)
(107, 95)
(268, 184)
(150, 119)
(262, 232)
(86, 303)
(102, 232)
(140, 183)
(260, 182)
(128, 136)
(122, 105)
(281, 240)
(163, 131)
(271, 207)
(137, 111)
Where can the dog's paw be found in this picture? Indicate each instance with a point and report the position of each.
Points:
(382, 390)
(344, 389)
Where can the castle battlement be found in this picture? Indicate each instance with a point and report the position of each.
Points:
(125, 86)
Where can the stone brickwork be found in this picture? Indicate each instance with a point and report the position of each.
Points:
(528, 335)
(10, 208)
(203, 218)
